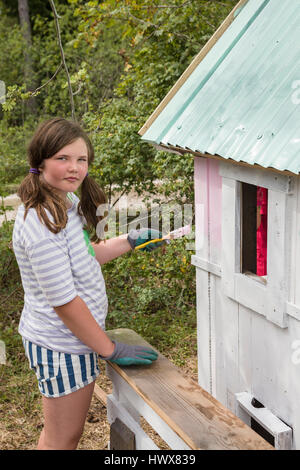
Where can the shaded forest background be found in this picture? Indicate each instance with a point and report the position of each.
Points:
(122, 58)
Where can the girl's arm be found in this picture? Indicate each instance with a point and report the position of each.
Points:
(112, 248)
(78, 318)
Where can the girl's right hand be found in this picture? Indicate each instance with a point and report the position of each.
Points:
(139, 237)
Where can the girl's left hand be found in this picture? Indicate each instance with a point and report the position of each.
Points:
(139, 237)
(129, 355)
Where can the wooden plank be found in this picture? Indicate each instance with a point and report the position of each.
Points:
(206, 265)
(278, 247)
(245, 345)
(250, 293)
(255, 176)
(203, 279)
(121, 437)
(214, 187)
(194, 64)
(222, 304)
(213, 282)
(131, 399)
(197, 417)
(201, 207)
(293, 255)
(230, 234)
(227, 332)
(100, 394)
(296, 274)
(292, 417)
(293, 310)
(117, 410)
(203, 331)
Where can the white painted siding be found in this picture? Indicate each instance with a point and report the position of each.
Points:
(248, 333)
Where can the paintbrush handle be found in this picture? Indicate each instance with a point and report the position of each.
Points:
(172, 235)
(147, 243)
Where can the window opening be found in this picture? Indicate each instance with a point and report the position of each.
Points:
(254, 229)
(258, 427)
(264, 422)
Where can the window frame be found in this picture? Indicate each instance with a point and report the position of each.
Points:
(266, 297)
(282, 433)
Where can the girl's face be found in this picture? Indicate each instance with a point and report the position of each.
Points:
(66, 170)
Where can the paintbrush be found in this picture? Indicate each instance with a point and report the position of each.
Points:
(178, 233)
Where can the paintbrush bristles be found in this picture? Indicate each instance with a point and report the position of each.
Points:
(180, 232)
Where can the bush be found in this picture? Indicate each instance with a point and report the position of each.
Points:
(154, 294)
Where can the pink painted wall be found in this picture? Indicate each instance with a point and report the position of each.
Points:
(208, 208)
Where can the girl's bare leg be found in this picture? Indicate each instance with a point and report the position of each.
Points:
(64, 419)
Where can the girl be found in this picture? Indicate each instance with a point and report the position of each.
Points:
(65, 304)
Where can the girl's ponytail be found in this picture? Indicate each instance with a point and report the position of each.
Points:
(91, 198)
(37, 194)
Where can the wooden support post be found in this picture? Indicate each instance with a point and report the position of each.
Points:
(121, 437)
(100, 394)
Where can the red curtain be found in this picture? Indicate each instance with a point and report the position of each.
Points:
(261, 233)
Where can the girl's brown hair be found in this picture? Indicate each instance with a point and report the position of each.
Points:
(50, 137)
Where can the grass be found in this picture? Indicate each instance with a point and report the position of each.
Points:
(151, 293)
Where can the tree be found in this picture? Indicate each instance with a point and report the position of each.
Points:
(64, 63)
(159, 40)
(123, 56)
(23, 9)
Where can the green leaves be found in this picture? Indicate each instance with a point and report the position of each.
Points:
(14, 94)
(158, 42)
(159, 290)
(123, 57)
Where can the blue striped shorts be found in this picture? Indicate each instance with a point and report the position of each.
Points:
(59, 373)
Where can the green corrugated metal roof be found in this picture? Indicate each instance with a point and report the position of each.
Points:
(243, 100)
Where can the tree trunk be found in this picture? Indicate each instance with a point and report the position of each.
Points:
(26, 32)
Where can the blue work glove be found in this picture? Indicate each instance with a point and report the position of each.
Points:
(138, 237)
(128, 355)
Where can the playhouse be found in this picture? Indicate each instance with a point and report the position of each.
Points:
(237, 110)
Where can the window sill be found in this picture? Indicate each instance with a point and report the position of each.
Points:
(255, 277)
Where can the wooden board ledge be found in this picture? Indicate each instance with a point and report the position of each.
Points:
(192, 413)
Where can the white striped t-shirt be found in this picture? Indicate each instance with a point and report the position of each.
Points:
(54, 269)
